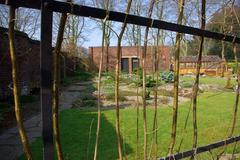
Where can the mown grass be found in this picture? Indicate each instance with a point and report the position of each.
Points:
(209, 80)
(78, 129)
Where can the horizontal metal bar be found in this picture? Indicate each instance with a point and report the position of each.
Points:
(201, 149)
(87, 11)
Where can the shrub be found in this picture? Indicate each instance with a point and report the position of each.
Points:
(167, 77)
(233, 66)
(138, 72)
(150, 82)
(109, 75)
(147, 96)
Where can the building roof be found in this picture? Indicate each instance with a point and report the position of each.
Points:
(193, 59)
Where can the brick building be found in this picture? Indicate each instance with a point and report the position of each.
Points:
(130, 58)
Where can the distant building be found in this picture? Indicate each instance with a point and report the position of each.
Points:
(130, 58)
(212, 65)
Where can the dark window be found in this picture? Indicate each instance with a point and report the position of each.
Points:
(124, 65)
(135, 63)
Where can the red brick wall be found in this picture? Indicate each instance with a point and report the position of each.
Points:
(129, 51)
(27, 51)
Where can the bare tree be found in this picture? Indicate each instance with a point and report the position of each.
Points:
(144, 52)
(27, 20)
(196, 84)
(117, 71)
(236, 103)
(56, 81)
(158, 38)
(133, 38)
(176, 78)
(133, 32)
(108, 25)
(104, 48)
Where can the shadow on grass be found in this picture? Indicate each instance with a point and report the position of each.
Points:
(78, 134)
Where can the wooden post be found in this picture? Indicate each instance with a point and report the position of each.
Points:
(130, 67)
(46, 79)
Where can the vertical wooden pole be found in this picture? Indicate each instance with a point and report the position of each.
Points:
(46, 79)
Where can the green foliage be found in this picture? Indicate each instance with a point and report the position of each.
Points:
(150, 82)
(233, 66)
(109, 75)
(167, 77)
(147, 96)
(137, 79)
(214, 47)
(111, 96)
(138, 72)
(76, 77)
(108, 78)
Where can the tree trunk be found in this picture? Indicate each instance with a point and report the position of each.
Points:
(176, 79)
(196, 84)
(16, 91)
(56, 81)
(99, 91)
(117, 70)
(144, 52)
(235, 112)
(223, 43)
(156, 74)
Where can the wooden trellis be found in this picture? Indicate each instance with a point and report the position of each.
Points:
(47, 8)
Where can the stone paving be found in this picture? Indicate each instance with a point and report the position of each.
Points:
(10, 146)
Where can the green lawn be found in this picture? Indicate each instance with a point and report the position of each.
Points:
(214, 117)
(209, 80)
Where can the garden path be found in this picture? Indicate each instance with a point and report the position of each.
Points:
(10, 145)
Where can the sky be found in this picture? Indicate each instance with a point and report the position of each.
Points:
(94, 34)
